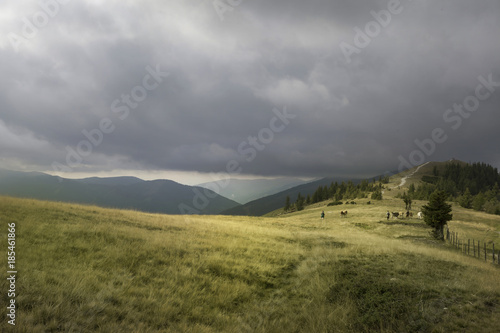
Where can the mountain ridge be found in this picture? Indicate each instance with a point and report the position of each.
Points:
(169, 197)
(157, 196)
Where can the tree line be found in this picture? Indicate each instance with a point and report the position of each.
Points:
(338, 192)
(475, 186)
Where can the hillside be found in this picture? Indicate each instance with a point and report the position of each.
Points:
(416, 174)
(88, 269)
(158, 196)
(270, 203)
(475, 185)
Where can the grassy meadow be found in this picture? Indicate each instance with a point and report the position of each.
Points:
(89, 269)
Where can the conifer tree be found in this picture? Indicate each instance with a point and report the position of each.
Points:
(287, 204)
(466, 199)
(407, 200)
(377, 194)
(411, 189)
(437, 213)
(299, 204)
(479, 201)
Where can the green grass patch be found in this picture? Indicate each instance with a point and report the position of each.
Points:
(407, 293)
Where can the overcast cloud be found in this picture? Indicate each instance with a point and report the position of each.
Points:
(203, 77)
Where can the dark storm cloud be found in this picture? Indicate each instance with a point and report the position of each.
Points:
(354, 115)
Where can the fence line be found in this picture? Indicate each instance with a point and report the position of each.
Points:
(465, 247)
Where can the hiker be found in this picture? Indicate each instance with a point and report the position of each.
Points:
(388, 215)
(322, 215)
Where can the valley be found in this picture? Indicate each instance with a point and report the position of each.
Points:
(90, 269)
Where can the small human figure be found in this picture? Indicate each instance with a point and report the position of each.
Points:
(322, 215)
(388, 215)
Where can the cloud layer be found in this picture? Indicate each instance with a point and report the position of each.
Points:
(186, 85)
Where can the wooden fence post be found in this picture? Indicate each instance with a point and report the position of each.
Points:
(468, 247)
(474, 247)
(493, 252)
(485, 251)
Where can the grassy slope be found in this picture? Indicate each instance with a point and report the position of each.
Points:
(83, 268)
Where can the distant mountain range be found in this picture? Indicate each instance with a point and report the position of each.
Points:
(244, 190)
(259, 197)
(157, 196)
(162, 196)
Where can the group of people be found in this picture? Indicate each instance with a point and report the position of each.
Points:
(408, 214)
(402, 214)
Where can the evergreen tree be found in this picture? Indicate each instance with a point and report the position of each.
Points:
(466, 199)
(287, 204)
(490, 195)
(496, 190)
(339, 196)
(407, 201)
(478, 202)
(437, 213)
(411, 189)
(332, 190)
(326, 195)
(492, 207)
(299, 204)
(377, 194)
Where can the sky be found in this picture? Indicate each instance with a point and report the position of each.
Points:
(196, 90)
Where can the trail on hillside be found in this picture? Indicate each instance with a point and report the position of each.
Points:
(403, 180)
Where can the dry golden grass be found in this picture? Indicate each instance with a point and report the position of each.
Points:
(84, 269)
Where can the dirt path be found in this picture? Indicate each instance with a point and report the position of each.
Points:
(403, 180)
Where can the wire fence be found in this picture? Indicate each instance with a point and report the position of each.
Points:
(471, 247)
